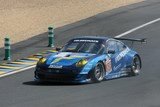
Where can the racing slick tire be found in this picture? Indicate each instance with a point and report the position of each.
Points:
(136, 66)
(97, 74)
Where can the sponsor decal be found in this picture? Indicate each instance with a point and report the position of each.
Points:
(116, 67)
(121, 55)
(55, 66)
(115, 76)
(108, 65)
(83, 40)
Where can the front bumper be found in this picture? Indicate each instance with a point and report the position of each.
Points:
(60, 75)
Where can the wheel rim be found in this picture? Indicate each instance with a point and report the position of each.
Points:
(136, 66)
(99, 72)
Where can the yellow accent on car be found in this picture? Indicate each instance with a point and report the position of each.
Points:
(56, 60)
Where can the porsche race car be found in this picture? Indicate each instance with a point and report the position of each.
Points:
(89, 59)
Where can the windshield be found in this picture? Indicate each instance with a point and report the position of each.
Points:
(84, 47)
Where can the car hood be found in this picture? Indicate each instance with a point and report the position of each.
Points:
(66, 58)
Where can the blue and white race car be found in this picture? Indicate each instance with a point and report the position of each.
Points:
(89, 59)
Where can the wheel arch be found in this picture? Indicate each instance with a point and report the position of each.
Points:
(100, 61)
(130, 56)
(139, 59)
(92, 70)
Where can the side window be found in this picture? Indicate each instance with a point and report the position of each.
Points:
(120, 46)
(112, 45)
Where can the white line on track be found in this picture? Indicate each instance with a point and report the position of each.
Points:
(118, 36)
(137, 28)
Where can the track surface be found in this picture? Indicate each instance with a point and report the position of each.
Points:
(141, 91)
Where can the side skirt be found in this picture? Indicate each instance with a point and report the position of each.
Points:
(116, 75)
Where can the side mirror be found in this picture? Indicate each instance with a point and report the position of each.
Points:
(111, 51)
(58, 48)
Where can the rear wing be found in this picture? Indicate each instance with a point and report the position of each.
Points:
(132, 40)
(144, 40)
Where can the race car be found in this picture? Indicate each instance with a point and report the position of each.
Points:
(89, 59)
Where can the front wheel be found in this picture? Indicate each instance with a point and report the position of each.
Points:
(136, 66)
(97, 75)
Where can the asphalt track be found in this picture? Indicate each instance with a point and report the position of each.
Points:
(19, 90)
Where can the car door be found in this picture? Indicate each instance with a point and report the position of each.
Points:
(114, 52)
(122, 50)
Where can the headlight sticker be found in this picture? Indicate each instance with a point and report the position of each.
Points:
(81, 63)
(42, 60)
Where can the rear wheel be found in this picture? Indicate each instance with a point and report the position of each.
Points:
(136, 66)
(97, 75)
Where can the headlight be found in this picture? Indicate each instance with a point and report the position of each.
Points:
(81, 63)
(41, 60)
